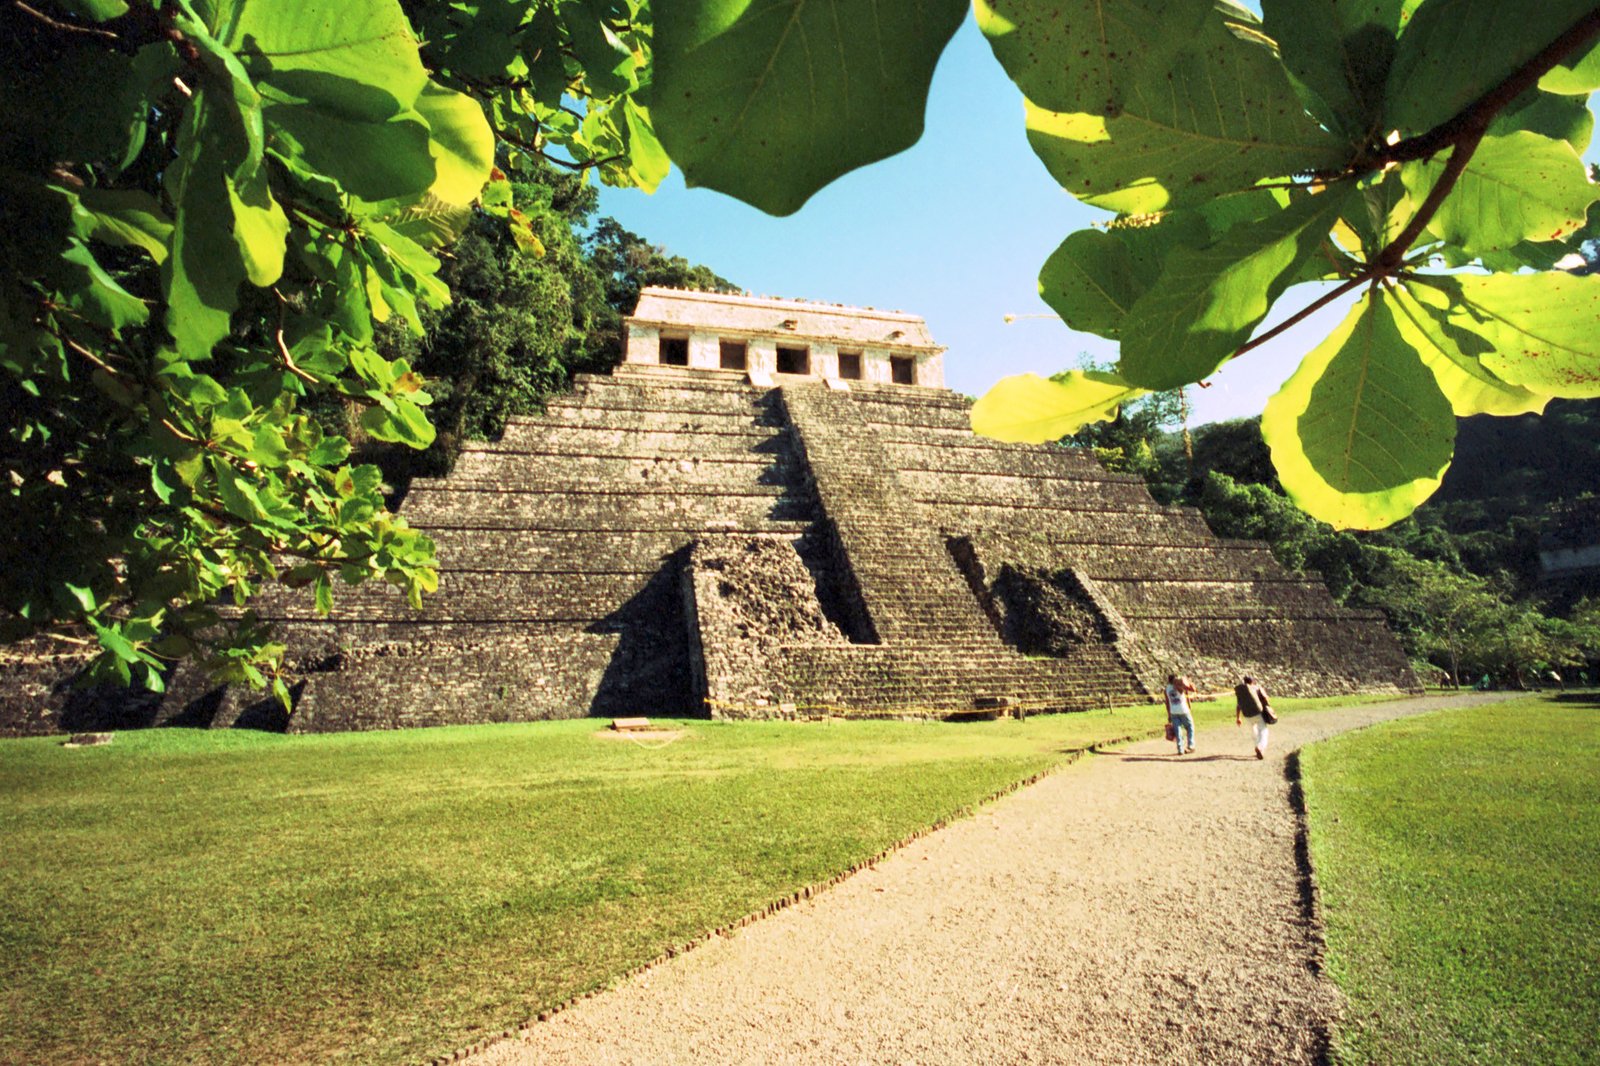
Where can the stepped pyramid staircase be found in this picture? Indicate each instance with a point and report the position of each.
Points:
(579, 576)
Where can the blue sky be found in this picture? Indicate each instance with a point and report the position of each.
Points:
(954, 229)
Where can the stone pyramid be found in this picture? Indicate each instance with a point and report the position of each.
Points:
(773, 507)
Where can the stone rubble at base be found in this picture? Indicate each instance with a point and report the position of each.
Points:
(676, 540)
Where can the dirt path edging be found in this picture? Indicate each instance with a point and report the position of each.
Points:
(1144, 908)
(785, 901)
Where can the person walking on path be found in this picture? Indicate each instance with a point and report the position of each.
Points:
(1178, 713)
(1250, 701)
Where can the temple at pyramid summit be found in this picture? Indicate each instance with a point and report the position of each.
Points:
(774, 507)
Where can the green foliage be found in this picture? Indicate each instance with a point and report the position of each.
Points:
(1464, 598)
(1362, 429)
(211, 211)
(820, 89)
(1029, 407)
(1379, 146)
(1454, 856)
(561, 81)
(518, 325)
(627, 263)
(521, 323)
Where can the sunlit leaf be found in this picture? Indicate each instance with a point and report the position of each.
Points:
(1577, 77)
(1208, 301)
(1517, 187)
(130, 218)
(649, 160)
(1454, 356)
(1454, 51)
(460, 142)
(203, 271)
(1219, 119)
(1031, 409)
(771, 101)
(1541, 328)
(260, 229)
(1361, 433)
(1563, 118)
(1109, 42)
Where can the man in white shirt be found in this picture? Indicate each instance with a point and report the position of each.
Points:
(1178, 713)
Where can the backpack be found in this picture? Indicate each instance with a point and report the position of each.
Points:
(1249, 703)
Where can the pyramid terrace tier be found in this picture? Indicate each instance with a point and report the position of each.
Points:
(687, 541)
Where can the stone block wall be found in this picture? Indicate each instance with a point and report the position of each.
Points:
(667, 541)
(1176, 597)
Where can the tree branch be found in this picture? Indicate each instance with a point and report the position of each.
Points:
(1393, 255)
(1462, 134)
(283, 349)
(1476, 116)
(64, 27)
(1305, 312)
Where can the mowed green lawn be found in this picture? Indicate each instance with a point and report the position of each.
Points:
(1458, 857)
(183, 896)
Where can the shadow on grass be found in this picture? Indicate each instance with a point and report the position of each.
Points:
(1305, 882)
(1577, 699)
(1175, 758)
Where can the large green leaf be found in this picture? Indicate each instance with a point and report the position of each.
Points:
(86, 287)
(129, 218)
(260, 228)
(374, 160)
(460, 142)
(1340, 50)
(357, 58)
(1454, 356)
(201, 276)
(1094, 277)
(1030, 409)
(647, 160)
(340, 84)
(1207, 301)
(1218, 119)
(1361, 433)
(1517, 187)
(1565, 118)
(1084, 55)
(769, 100)
(1577, 77)
(1541, 329)
(1454, 51)
(1091, 281)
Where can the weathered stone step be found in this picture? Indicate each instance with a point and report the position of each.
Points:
(598, 510)
(503, 597)
(673, 441)
(1053, 465)
(478, 470)
(552, 549)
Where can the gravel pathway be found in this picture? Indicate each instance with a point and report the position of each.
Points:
(1135, 908)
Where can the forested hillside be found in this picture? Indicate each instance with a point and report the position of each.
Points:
(1460, 579)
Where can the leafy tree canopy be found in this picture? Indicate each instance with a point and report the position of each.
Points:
(212, 206)
(211, 211)
(1373, 148)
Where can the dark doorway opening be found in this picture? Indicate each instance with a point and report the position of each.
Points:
(794, 360)
(674, 351)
